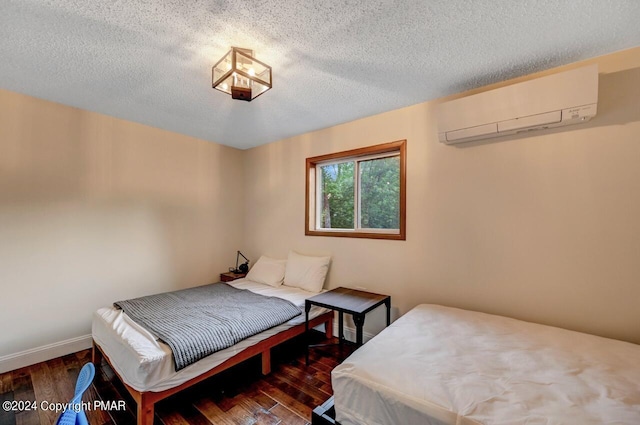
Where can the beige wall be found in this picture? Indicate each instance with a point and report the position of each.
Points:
(544, 227)
(95, 209)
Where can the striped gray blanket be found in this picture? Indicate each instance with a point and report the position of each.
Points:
(197, 322)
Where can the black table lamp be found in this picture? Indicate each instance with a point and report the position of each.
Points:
(242, 268)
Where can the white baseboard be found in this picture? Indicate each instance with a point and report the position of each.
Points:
(350, 333)
(44, 353)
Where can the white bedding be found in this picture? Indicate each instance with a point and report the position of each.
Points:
(441, 365)
(146, 364)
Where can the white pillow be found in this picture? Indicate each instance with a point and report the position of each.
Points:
(267, 270)
(306, 272)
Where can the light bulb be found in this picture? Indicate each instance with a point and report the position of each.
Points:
(252, 72)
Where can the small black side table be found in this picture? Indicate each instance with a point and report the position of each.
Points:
(346, 300)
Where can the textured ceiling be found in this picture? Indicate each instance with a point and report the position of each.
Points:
(333, 61)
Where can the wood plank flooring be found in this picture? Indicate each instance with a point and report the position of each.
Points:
(238, 396)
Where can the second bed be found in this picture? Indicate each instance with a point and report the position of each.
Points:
(442, 365)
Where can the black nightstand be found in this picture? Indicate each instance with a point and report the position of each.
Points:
(351, 301)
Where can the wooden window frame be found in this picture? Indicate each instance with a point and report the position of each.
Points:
(399, 146)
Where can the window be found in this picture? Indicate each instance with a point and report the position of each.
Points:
(359, 193)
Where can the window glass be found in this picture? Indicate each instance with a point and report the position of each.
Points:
(337, 196)
(380, 193)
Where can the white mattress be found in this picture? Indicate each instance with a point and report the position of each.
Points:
(146, 364)
(440, 365)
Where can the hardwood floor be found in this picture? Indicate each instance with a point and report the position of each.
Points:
(240, 395)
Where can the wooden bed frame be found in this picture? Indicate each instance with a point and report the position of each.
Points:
(147, 399)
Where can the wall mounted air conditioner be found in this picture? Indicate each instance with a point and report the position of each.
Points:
(556, 100)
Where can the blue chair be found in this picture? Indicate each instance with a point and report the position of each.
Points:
(73, 415)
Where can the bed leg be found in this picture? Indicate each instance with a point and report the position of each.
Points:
(96, 355)
(328, 328)
(266, 361)
(145, 411)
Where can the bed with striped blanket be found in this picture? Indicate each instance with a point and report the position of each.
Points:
(145, 364)
(197, 322)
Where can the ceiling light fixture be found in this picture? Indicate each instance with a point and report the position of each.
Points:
(242, 76)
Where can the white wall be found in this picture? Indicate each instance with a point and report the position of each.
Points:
(95, 209)
(542, 227)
